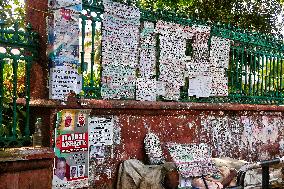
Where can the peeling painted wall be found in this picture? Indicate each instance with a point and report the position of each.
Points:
(248, 135)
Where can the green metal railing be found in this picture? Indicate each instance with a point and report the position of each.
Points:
(18, 48)
(91, 39)
(256, 66)
(255, 73)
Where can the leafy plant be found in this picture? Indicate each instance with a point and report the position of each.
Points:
(12, 11)
(8, 87)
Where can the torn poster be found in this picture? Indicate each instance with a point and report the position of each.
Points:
(63, 49)
(192, 159)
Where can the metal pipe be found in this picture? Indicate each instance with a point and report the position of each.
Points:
(265, 177)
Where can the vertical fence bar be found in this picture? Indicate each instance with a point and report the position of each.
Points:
(277, 76)
(269, 81)
(237, 70)
(1, 90)
(281, 72)
(266, 74)
(258, 74)
(250, 83)
(232, 68)
(27, 96)
(93, 52)
(262, 74)
(15, 79)
(246, 73)
(241, 67)
(273, 75)
(254, 72)
(83, 50)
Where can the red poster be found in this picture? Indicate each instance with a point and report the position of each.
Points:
(74, 142)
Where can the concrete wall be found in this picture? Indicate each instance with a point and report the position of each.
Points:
(26, 168)
(237, 132)
(249, 132)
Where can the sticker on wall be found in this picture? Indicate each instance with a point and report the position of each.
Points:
(71, 151)
(120, 39)
(100, 131)
(200, 86)
(153, 149)
(172, 39)
(198, 66)
(118, 82)
(192, 159)
(147, 63)
(64, 33)
(63, 81)
(146, 89)
(219, 60)
(55, 4)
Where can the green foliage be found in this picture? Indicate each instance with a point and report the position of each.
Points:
(97, 60)
(7, 114)
(12, 11)
(260, 15)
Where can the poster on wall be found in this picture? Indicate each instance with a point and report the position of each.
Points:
(101, 131)
(71, 150)
(120, 40)
(192, 160)
(63, 49)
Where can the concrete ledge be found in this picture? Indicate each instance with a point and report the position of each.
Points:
(26, 168)
(21, 154)
(74, 103)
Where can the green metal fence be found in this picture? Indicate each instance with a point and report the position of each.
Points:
(255, 72)
(91, 40)
(18, 49)
(256, 66)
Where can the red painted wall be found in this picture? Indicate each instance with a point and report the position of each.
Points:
(187, 123)
(26, 169)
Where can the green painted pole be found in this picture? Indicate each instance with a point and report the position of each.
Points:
(281, 74)
(1, 90)
(27, 96)
(242, 71)
(269, 82)
(15, 78)
(262, 75)
(237, 72)
(277, 76)
(258, 74)
(254, 72)
(93, 52)
(246, 75)
(266, 75)
(250, 69)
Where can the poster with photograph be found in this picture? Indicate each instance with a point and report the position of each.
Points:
(63, 49)
(71, 150)
(101, 135)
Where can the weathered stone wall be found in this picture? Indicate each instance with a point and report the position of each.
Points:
(244, 134)
(26, 168)
(249, 132)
